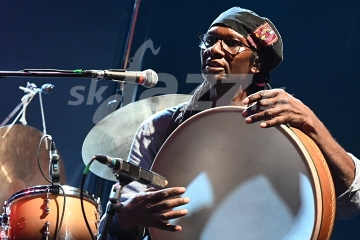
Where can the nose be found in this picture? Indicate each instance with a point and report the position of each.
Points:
(217, 48)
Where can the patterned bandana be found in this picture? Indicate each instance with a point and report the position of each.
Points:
(260, 32)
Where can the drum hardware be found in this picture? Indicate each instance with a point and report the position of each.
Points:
(22, 159)
(21, 146)
(47, 231)
(114, 134)
(47, 202)
(4, 233)
(28, 218)
(98, 213)
(53, 190)
(54, 168)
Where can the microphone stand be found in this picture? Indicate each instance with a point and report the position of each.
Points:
(126, 173)
(114, 197)
(44, 73)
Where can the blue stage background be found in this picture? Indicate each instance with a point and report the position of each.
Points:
(321, 60)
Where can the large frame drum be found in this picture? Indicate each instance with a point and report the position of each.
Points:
(35, 213)
(245, 182)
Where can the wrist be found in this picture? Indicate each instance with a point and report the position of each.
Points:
(121, 229)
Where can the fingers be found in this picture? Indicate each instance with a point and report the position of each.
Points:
(265, 94)
(270, 116)
(269, 106)
(168, 227)
(158, 195)
(173, 214)
(168, 204)
(154, 209)
(164, 217)
(168, 193)
(164, 201)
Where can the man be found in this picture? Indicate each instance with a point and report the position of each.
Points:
(239, 48)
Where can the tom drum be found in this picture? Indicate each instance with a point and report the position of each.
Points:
(35, 213)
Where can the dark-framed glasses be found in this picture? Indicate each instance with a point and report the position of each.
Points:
(230, 45)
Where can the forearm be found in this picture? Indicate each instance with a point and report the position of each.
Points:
(341, 165)
(285, 109)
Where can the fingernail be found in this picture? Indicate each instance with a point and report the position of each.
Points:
(263, 124)
(248, 120)
(245, 101)
(186, 199)
(178, 228)
(184, 212)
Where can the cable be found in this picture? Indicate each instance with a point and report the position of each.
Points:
(86, 171)
(38, 156)
(57, 231)
(49, 70)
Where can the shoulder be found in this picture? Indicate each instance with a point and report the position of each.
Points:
(151, 135)
(163, 118)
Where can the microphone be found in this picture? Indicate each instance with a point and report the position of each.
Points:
(54, 169)
(147, 78)
(47, 88)
(128, 172)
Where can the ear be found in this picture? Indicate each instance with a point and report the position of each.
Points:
(256, 64)
(255, 69)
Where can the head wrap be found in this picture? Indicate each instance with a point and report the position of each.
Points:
(260, 33)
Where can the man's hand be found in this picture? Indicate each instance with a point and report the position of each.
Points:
(153, 208)
(274, 107)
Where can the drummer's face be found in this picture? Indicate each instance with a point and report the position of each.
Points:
(217, 63)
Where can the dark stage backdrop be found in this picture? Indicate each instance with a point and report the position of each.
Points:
(321, 61)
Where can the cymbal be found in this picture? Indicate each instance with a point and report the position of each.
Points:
(114, 134)
(18, 160)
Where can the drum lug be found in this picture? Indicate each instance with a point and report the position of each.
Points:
(47, 201)
(4, 227)
(47, 232)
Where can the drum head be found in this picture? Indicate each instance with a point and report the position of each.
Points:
(244, 182)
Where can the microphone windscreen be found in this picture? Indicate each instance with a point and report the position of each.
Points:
(151, 78)
(47, 88)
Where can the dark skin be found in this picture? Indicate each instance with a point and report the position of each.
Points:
(283, 108)
(153, 208)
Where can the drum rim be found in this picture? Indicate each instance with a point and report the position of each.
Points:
(41, 189)
(315, 180)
